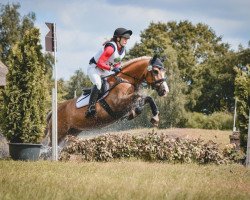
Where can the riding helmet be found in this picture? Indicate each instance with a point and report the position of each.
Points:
(122, 32)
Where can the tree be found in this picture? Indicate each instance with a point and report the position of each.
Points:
(76, 83)
(156, 40)
(213, 85)
(242, 93)
(25, 94)
(9, 29)
(48, 62)
(195, 44)
(12, 27)
(205, 63)
(202, 58)
(61, 90)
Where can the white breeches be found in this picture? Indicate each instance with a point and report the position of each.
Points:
(95, 75)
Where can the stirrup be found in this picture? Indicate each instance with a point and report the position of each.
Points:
(91, 112)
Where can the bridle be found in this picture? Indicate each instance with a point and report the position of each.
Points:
(154, 84)
(157, 83)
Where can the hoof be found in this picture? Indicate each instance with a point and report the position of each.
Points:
(155, 120)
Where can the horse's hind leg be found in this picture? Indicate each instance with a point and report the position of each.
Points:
(139, 107)
(134, 113)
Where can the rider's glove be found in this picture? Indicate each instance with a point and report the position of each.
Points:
(116, 70)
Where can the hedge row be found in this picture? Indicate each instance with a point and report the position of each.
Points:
(149, 147)
(217, 120)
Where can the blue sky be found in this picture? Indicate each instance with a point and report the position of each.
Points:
(83, 25)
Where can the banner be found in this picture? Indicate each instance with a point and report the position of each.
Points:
(50, 38)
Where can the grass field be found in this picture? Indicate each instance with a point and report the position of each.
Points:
(122, 180)
(127, 179)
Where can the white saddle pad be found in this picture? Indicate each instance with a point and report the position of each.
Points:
(83, 100)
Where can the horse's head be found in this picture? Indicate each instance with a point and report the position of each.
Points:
(143, 69)
(156, 76)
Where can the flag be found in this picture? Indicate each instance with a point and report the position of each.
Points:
(50, 38)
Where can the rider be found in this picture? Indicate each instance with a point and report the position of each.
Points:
(107, 61)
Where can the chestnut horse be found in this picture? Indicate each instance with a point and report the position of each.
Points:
(120, 101)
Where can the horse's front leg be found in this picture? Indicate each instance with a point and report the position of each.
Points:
(154, 109)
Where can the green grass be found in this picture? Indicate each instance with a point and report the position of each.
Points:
(122, 180)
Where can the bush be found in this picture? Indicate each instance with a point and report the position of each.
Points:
(148, 147)
(23, 112)
(217, 120)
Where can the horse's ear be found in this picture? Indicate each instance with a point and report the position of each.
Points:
(163, 58)
(153, 59)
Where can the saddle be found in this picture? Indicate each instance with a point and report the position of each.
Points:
(83, 100)
(104, 88)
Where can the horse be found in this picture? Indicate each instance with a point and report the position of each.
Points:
(122, 100)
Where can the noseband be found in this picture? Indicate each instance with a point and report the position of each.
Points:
(158, 82)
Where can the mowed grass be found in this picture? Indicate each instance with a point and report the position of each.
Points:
(122, 180)
(127, 179)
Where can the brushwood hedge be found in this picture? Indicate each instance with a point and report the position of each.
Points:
(149, 147)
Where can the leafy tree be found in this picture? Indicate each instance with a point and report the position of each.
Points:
(242, 94)
(195, 44)
(12, 27)
(76, 83)
(202, 57)
(213, 85)
(25, 94)
(156, 40)
(27, 22)
(49, 62)
(9, 28)
(61, 90)
(205, 63)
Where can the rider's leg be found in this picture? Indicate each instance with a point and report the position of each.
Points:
(92, 101)
(96, 80)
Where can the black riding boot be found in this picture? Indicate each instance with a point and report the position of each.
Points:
(92, 101)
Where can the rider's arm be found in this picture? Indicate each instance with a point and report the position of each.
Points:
(101, 63)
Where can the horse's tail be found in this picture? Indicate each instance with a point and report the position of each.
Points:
(48, 117)
(46, 131)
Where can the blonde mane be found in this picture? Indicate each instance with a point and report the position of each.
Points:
(125, 64)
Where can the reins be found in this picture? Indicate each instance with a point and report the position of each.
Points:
(137, 80)
(118, 81)
(130, 76)
(105, 105)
